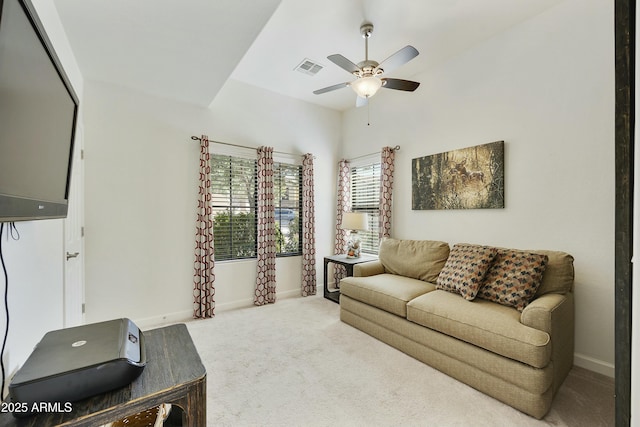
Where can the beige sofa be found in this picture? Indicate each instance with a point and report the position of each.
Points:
(499, 320)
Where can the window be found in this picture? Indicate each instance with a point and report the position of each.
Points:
(234, 202)
(233, 188)
(365, 197)
(287, 188)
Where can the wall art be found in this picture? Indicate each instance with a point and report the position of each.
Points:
(468, 178)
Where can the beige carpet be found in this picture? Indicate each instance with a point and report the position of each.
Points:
(294, 363)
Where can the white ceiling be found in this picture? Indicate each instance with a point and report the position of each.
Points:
(186, 50)
(183, 50)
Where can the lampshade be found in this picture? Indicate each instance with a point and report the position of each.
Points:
(366, 87)
(355, 221)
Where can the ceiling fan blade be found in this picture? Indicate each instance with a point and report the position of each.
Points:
(399, 84)
(343, 63)
(361, 102)
(330, 88)
(399, 58)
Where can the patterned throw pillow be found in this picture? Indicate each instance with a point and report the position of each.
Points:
(465, 268)
(514, 278)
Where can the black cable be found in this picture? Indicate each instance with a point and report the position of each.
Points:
(13, 232)
(6, 308)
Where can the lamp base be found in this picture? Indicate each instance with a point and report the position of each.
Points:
(353, 249)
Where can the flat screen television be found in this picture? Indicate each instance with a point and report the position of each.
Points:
(38, 113)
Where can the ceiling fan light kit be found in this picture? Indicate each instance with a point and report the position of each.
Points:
(368, 72)
(366, 87)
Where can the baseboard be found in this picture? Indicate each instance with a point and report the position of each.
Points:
(163, 320)
(594, 365)
(244, 303)
(187, 315)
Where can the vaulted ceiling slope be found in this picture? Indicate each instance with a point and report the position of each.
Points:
(182, 50)
(186, 50)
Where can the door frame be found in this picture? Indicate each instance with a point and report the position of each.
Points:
(625, 35)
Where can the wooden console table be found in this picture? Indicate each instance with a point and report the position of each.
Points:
(174, 374)
(348, 263)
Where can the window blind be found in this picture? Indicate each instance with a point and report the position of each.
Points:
(234, 203)
(365, 197)
(233, 188)
(288, 205)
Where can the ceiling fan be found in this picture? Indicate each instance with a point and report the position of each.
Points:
(368, 73)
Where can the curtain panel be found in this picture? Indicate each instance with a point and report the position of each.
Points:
(343, 205)
(308, 228)
(387, 160)
(204, 277)
(266, 226)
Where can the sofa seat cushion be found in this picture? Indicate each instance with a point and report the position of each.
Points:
(388, 292)
(486, 324)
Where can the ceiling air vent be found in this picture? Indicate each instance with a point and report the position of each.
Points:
(309, 67)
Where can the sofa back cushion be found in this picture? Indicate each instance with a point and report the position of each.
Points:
(418, 259)
(558, 274)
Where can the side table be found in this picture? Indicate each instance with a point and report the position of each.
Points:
(348, 263)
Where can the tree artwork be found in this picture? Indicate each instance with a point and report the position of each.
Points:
(468, 178)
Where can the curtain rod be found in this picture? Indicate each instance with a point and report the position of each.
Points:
(396, 148)
(195, 138)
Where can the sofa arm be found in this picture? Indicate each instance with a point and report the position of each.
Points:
(370, 268)
(539, 314)
(554, 314)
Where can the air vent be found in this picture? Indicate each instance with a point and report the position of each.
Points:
(309, 67)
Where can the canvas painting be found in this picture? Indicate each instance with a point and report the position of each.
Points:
(468, 178)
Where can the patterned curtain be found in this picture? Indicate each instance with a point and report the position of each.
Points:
(308, 228)
(343, 205)
(266, 233)
(203, 276)
(386, 190)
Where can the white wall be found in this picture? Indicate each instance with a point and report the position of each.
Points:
(141, 191)
(35, 275)
(35, 263)
(545, 87)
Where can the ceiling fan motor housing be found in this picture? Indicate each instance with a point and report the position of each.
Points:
(368, 68)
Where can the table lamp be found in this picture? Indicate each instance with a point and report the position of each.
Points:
(354, 221)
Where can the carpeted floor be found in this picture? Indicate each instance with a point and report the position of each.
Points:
(294, 363)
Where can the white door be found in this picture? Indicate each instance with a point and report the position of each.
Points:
(74, 240)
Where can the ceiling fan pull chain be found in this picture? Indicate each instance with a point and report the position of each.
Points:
(368, 113)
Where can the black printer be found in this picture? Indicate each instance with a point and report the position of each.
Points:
(71, 364)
